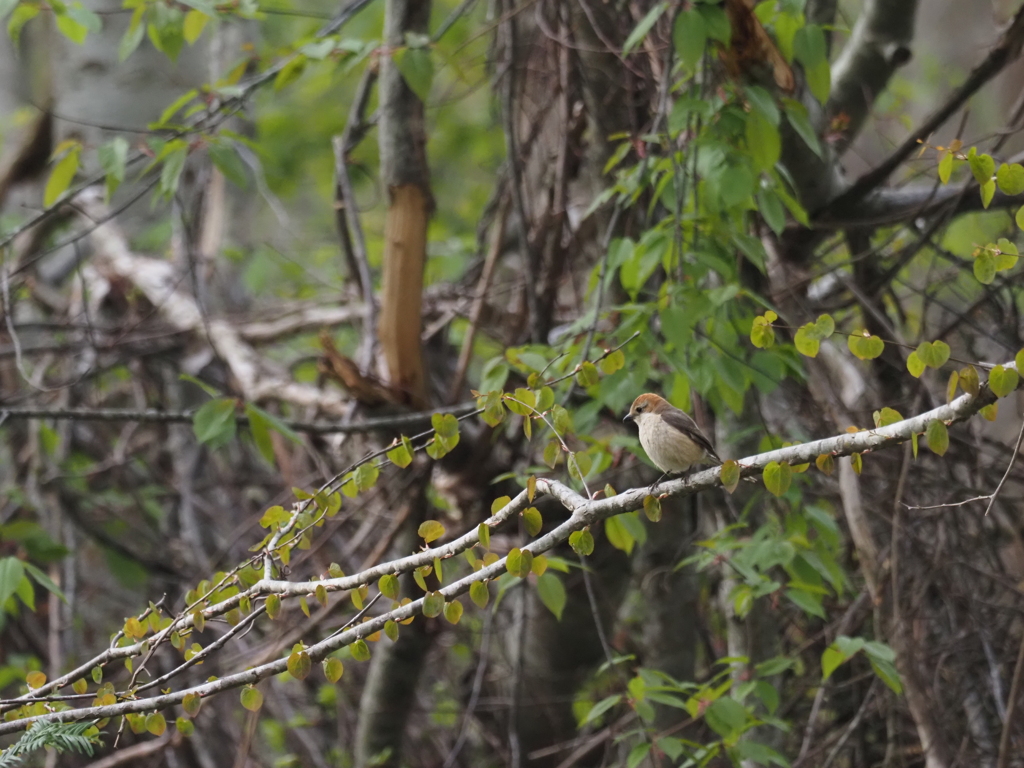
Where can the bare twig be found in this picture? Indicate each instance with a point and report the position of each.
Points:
(1011, 709)
(479, 301)
(185, 417)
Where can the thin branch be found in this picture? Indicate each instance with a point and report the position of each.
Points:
(1005, 51)
(1006, 474)
(186, 417)
(1011, 709)
(584, 513)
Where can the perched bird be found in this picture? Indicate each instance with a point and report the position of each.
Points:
(672, 439)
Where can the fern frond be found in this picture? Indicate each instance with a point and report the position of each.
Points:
(64, 737)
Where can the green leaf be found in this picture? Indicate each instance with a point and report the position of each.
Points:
(333, 669)
(796, 114)
(290, 72)
(251, 698)
(730, 475)
(763, 102)
(807, 602)
(433, 604)
(479, 594)
(762, 335)
(618, 535)
(11, 573)
(689, 36)
(887, 673)
(299, 665)
(417, 70)
(637, 754)
(225, 157)
(360, 650)
(915, 365)
(389, 586)
(988, 191)
(113, 159)
(174, 163)
(771, 209)
(430, 530)
(614, 362)
(1019, 217)
(483, 531)
(777, 477)
(401, 455)
(933, 354)
(982, 166)
(132, 37)
(726, 717)
(640, 32)
(23, 14)
(40, 578)
(887, 416)
(552, 594)
(519, 562)
(1002, 381)
(214, 423)
(453, 611)
(1010, 178)
(652, 508)
(582, 542)
(601, 707)
(366, 476)
(192, 27)
(864, 346)
(716, 22)
(946, 167)
(805, 340)
(763, 141)
(62, 175)
(937, 437)
(969, 380)
(532, 521)
(587, 375)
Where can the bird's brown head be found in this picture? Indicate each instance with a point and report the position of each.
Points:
(644, 405)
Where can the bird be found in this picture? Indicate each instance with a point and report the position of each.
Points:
(672, 439)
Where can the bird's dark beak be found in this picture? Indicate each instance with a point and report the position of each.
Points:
(627, 418)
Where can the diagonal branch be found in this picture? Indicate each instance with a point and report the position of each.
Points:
(1005, 51)
(585, 512)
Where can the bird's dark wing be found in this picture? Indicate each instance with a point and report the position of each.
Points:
(680, 420)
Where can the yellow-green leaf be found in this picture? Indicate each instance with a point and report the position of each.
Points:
(652, 508)
(156, 724)
(777, 477)
(430, 530)
(299, 664)
(582, 542)
(433, 604)
(825, 463)
(333, 669)
(864, 346)
(61, 175)
(360, 650)
(195, 21)
(970, 382)
(479, 594)
(191, 704)
(252, 699)
(532, 521)
(730, 475)
(453, 611)
(388, 586)
(937, 437)
(1002, 381)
